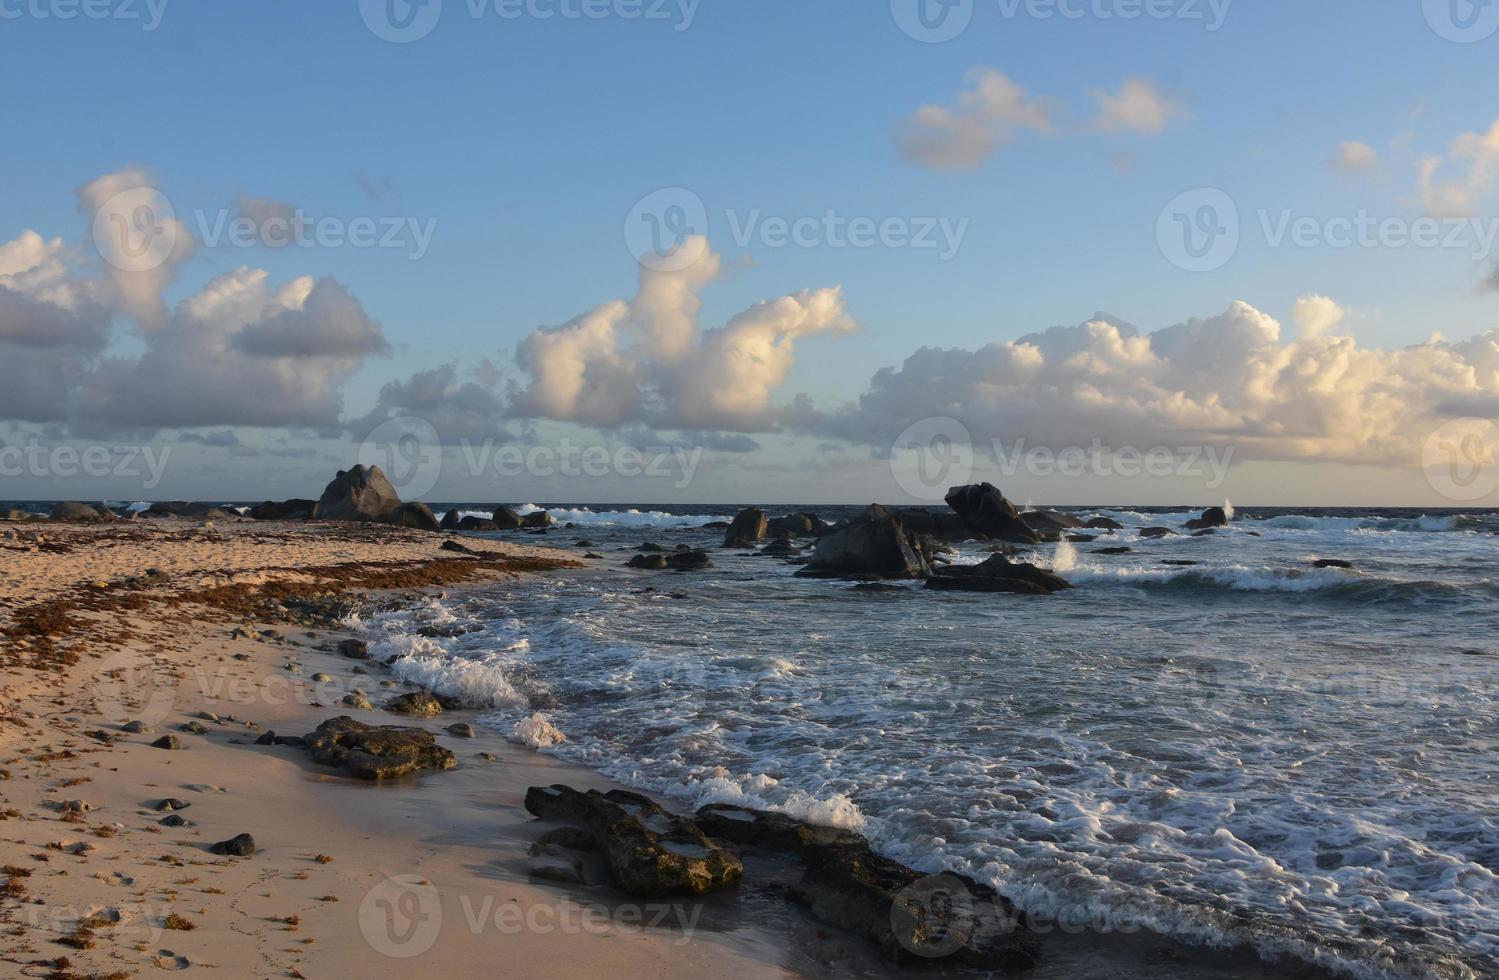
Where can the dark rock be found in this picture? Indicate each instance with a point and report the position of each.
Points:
(582, 543)
(472, 523)
(187, 509)
(72, 510)
(507, 519)
(1180, 562)
(799, 525)
(941, 525)
(651, 853)
(689, 561)
(880, 587)
(169, 742)
(175, 820)
(1080, 538)
(136, 728)
(450, 521)
(1047, 521)
(169, 805)
(376, 751)
(284, 510)
(1104, 524)
(998, 574)
(358, 494)
(572, 838)
(748, 528)
(1212, 517)
(1113, 551)
(986, 510)
(1331, 563)
(417, 515)
(1205, 533)
(193, 728)
(715, 526)
(418, 703)
(875, 544)
(781, 549)
(538, 518)
(267, 738)
(461, 730)
(654, 563)
(593, 556)
(650, 547)
(1157, 532)
(354, 649)
(773, 831)
(240, 845)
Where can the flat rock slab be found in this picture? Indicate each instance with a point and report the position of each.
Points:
(376, 751)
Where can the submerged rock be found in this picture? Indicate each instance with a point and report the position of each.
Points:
(651, 853)
(998, 574)
(1157, 532)
(376, 751)
(1331, 563)
(647, 562)
(1104, 524)
(1050, 521)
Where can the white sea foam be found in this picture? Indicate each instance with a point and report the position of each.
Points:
(537, 732)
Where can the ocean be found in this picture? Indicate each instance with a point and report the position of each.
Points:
(1245, 752)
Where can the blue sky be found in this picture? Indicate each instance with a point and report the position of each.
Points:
(529, 140)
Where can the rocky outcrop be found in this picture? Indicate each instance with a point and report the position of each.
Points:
(1050, 521)
(418, 703)
(998, 574)
(983, 508)
(72, 510)
(688, 561)
(747, 530)
(876, 545)
(1212, 517)
(538, 518)
(651, 563)
(507, 519)
(188, 510)
(284, 510)
(415, 515)
(376, 751)
(450, 521)
(472, 523)
(359, 494)
(1157, 532)
(801, 525)
(1104, 524)
(912, 917)
(940, 525)
(650, 853)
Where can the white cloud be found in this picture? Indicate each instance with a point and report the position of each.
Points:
(1316, 316)
(1138, 107)
(1355, 158)
(988, 115)
(140, 290)
(1475, 157)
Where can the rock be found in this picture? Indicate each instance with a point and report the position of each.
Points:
(209, 715)
(1104, 524)
(689, 561)
(450, 521)
(880, 587)
(136, 728)
(461, 730)
(417, 515)
(188, 510)
(477, 524)
(538, 518)
(1212, 517)
(714, 526)
(1080, 538)
(800, 525)
(748, 528)
(418, 703)
(358, 494)
(650, 853)
(506, 519)
(240, 845)
(1113, 551)
(876, 544)
(911, 916)
(175, 820)
(357, 700)
(266, 738)
(941, 525)
(284, 510)
(376, 751)
(72, 510)
(1331, 563)
(1157, 532)
(983, 508)
(168, 742)
(354, 649)
(998, 574)
(1050, 521)
(647, 562)
(193, 728)
(169, 805)
(781, 549)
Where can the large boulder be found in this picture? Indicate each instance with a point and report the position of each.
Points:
(450, 521)
(537, 518)
(651, 853)
(417, 515)
(877, 544)
(1050, 521)
(1212, 517)
(801, 525)
(72, 510)
(986, 510)
(748, 529)
(1104, 524)
(939, 524)
(359, 494)
(284, 510)
(998, 574)
(376, 751)
(472, 523)
(506, 519)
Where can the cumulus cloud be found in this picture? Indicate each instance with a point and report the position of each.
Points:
(650, 360)
(1139, 106)
(989, 114)
(270, 219)
(1316, 316)
(1354, 158)
(1227, 380)
(1452, 186)
(458, 407)
(128, 217)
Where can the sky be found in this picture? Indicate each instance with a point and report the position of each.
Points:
(675, 251)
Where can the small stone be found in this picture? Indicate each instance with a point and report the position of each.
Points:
(354, 649)
(169, 804)
(174, 820)
(241, 845)
(194, 728)
(169, 742)
(461, 730)
(208, 716)
(136, 728)
(321, 679)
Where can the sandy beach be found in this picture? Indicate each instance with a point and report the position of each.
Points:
(429, 872)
